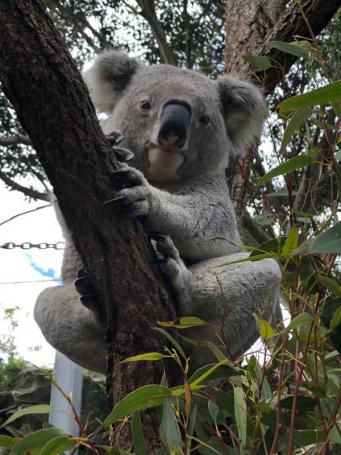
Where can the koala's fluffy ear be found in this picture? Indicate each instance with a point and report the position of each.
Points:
(244, 111)
(108, 77)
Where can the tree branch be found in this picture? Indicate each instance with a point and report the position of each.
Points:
(30, 192)
(69, 142)
(258, 29)
(148, 12)
(18, 139)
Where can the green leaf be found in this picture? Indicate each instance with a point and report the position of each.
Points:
(36, 440)
(36, 409)
(264, 220)
(206, 372)
(265, 329)
(147, 356)
(334, 435)
(189, 321)
(303, 403)
(172, 340)
(285, 168)
(224, 400)
(7, 441)
(59, 445)
(330, 284)
(115, 450)
(327, 242)
(240, 414)
(259, 61)
(288, 48)
(147, 396)
(270, 246)
(329, 309)
(137, 434)
(336, 319)
(221, 372)
(300, 321)
(213, 410)
(295, 122)
(338, 155)
(170, 432)
(218, 354)
(291, 242)
(327, 94)
(308, 437)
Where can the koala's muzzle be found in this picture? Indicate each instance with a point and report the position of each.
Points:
(175, 121)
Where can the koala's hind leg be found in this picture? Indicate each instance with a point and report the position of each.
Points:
(229, 297)
(70, 327)
(67, 325)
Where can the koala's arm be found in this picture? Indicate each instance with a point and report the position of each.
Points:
(193, 217)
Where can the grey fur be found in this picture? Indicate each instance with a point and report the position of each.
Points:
(180, 192)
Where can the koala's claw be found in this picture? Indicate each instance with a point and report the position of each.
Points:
(87, 291)
(124, 178)
(123, 154)
(114, 138)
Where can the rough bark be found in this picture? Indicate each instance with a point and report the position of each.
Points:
(53, 105)
(249, 27)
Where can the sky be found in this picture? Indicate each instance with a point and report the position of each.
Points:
(25, 273)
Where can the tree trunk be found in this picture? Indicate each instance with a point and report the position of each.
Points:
(53, 105)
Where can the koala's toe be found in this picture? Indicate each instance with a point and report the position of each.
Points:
(84, 286)
(131, 202)
(164, 245)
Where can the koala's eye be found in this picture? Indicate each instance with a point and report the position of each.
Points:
(145, 105)
(204, 119)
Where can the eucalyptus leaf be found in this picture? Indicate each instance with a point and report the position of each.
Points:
(147, 356)
(240, 413)
(36, 440)
(137, 434)
(288, 48)
(327, 242)
(7, 441)
(265, 329)
(145, 397)
(291, 242)
(36, 409)
(300, 321)
(259, 61)
(328, 94)
(170, 432)
(295, 122)
(59, 445)
(291, 165)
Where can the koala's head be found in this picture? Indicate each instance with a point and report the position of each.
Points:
(179, 123)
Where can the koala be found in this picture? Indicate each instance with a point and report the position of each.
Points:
(182, 128)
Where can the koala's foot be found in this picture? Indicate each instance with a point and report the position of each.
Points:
(133, 191)
(88, 293)
(172, 266)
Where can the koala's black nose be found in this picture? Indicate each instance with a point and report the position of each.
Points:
(175, 121)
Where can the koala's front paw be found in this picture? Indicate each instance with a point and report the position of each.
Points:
(172, 265)
(88, 293)
(133, 192)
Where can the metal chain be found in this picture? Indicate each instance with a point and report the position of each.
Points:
(29, 245)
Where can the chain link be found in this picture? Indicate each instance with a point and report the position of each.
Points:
(29, 245)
